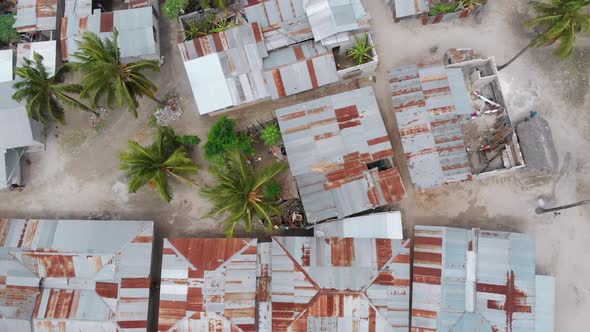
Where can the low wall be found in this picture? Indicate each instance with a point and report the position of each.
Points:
(365, 69)
(426, 19)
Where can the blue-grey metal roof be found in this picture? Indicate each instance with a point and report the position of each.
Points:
(16, 128)
(406, 8)
(283, 22)
(6, 65)
(330, 143)
(298, 68)
(428, 102)
(474, 280)
(330, 17)
(135, 27)
(545, 304)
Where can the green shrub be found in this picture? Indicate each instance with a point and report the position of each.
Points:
(7, 33)
(440, 8)
(271, 135)
(188, 139)
(222, 137)
(174, 8)
(272, 190)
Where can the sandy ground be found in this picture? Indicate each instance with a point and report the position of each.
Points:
(78, 175)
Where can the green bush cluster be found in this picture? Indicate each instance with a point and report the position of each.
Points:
(223, 137)
(7, 33)
(271, 135)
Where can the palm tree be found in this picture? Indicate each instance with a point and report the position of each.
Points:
(558, 20)
(239, 192)
(103, 74)
(45, 96)
(153, 164)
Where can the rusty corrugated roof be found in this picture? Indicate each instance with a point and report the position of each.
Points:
(299, 68)
(474, 280)
(428, 101)
(340, 155)
(36, 15)
(289, 284)
(80, 275)
(208, 280)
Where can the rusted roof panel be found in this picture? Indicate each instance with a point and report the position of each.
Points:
(283, 22)
(289, 284)
(474, 280)
(238, 54)
(214, 278)
(135, 27)
(340, 155)
(299, 68)
(70, 273)
(36, 15)
(428, 102)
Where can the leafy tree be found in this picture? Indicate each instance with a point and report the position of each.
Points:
(239, 192)
(361, 51)
(153, 164)
(223, 137)
(44, 94)
(558, 20)
(103, 74)
(174, 8)
(271, 135)
(7, 33)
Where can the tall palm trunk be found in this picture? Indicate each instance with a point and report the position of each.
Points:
(514, 58)
(541, 210)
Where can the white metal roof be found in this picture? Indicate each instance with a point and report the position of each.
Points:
(47, 49)
(15, 125)
(5, 65)
(387, 225)
(207, 80)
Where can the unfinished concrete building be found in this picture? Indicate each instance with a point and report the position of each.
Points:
(453, 120)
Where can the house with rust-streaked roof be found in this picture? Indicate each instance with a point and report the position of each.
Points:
(288, 284)
(478, 281)
(69, 275)
(340, 155)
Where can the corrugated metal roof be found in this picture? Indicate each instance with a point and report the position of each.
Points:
(299, 68)
(283, 22)
(36, 15)
(545, 304)
(334, 145)
(79, 275)
(135, 27)
(473, 280)
(330, 17)
(366, 280)
(386, 225)
(428, 101)
(287, 285)
(78, 8)
(405, 8)
(47, 49)
(225, 68)
(6, 66)
(206, 281)
(16, 128)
